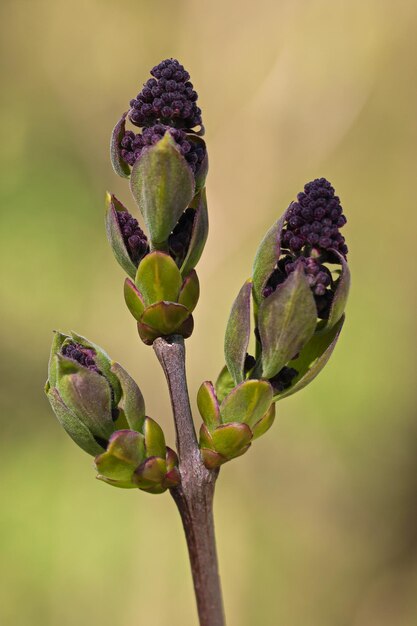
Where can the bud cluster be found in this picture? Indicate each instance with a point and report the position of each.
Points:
(133, 145)
(168, 97)
(102, 409)
(298, 306)
(167, 166)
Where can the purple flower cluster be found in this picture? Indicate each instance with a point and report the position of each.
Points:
(319, 276)
(134, 238)
(168, 97)
(315, 219)
(83, 356)
(283, 379)
(132, 145)
(179, 239)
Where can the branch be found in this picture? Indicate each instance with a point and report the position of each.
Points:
(194, 497)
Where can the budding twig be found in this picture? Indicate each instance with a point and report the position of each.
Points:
(194, 496)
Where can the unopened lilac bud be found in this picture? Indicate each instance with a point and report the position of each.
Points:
(91, 395)
(315, 219)
(168, 97)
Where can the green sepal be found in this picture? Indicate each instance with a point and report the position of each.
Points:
(148, 334)
(237, 334)
(208, 405)
(199, 233)
(171, 459)
(287, 320)
(266, 258)
(87, 394)
(125, 452)
(231, 440)
(150, 475)
(206, 440)
(78, 432)
(131, 402)
(115, 237)
(103, 362)
(165, 317)
(341, 293)
(162, 184)
(134, 299)
(190, 291)
(224, 384)
(247, 403)
(211, 458)
(264, 423)
(57, 343)
(120, 167)
(158, 278)
(154, 438)
(312, 358)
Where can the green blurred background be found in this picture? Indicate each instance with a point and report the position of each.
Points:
(317, 524)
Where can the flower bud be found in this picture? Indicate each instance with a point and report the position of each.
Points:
(160, 299)
(299, 288)
(231, 425)
(96, 400)
(128, 241)
(168, 98)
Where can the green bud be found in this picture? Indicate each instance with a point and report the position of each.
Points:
(163, 186)
(229, 427)
(91, 395)
(160, 299)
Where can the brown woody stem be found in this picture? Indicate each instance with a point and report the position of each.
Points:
(194, 497)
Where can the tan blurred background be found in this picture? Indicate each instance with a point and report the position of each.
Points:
(317, 524)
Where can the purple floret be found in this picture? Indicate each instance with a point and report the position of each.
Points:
(315, 219)
(83, 356)
(134, 238)
(132, 145)
(168, 97)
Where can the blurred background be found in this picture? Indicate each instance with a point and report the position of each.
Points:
(317, 524)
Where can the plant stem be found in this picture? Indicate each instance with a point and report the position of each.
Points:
(194, 497)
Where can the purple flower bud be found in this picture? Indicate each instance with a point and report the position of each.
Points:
(169, 98)
(283, 379)
(83, 356)
(315, 219)
(180, 238)
(133, 236)
(133, 145)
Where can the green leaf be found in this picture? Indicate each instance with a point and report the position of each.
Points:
(341, 294)
(313, 357)
(162, 184)
(247, 402)
(125, 452)
(133, 299)
(208, 405)
(190, 291)
(115, 237)
(165, 317)
(158, 278)
(131, 402)
(266, 258)
(154, 438)
(199, 233)
(237, 333)
(73, 425)
(120, 167)
(87, 394)
(151, 473)
(103, 362)
(231, 440)
(206, 440)
(264, 423)
(287, 320)
(57, 343)
(224, 384)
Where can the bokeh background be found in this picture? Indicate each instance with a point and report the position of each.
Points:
(317, 524)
